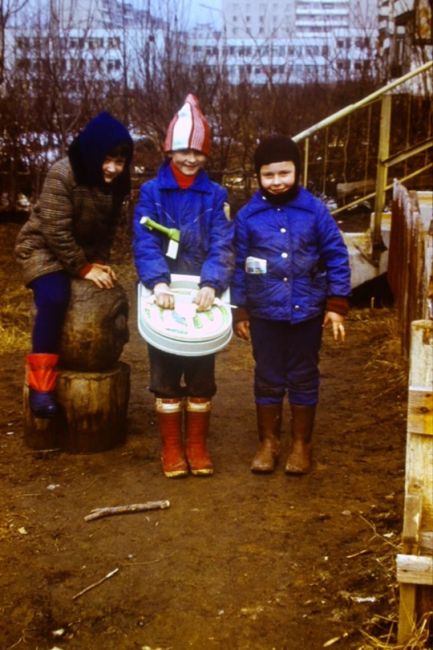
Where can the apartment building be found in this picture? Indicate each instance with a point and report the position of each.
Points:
(292, 41)
(102, 39)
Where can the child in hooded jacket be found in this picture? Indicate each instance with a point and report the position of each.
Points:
(183, 197)
(69, 234)
(292, 277)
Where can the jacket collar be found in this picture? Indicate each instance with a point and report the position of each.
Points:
(259, 202)
(167, 180)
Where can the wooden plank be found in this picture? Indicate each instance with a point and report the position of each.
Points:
(415, 569)
(406, 616)
(420, 411)
(411, 521)
(426, 542)
(421, 362)
(419, 448)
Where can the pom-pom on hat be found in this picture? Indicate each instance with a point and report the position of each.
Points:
(277, 148)
(188, 129)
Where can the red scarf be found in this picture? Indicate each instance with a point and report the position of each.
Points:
(182, 180)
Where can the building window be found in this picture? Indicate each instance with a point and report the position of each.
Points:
(113, 41)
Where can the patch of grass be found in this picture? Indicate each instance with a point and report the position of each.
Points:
(16, 303)
(386, 358)
(419, 640)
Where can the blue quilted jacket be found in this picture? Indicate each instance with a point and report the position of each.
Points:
(206, 240)
(289, 258)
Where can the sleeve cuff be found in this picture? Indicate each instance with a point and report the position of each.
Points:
(84, 271)
(240, 314)
(338, 304)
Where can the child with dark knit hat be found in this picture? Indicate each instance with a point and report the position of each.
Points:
(292, 277)
(69, 234)
(183, 197)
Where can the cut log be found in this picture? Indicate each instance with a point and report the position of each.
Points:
(95, 328)
(94, 409)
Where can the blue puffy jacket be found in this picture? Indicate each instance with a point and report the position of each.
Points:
(201, 214)
(289, 258)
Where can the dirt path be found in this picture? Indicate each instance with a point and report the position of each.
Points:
(238, 561)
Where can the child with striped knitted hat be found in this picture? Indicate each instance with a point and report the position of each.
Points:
(182, 197)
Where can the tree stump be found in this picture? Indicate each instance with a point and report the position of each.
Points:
(93, 386)
(95, 328)
(93, 412)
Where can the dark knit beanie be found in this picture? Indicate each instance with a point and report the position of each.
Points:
(276, 148)
(273, 149)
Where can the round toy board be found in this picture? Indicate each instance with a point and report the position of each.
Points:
(183, 330)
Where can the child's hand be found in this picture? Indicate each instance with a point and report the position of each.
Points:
(242, 329)
(204, 298)
(102, 275)
(336, 321)
(163, 296)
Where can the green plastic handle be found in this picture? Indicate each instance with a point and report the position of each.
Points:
(171, 233)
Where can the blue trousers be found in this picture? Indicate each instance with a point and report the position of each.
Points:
(287, 360)
(51, 293)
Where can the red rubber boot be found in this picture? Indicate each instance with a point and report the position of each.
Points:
(41, 377)
(197, 428)
(173, 460)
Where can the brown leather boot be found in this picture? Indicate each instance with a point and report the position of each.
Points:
(197, 428)
(300, 458)
(173, 460)
(269, 425)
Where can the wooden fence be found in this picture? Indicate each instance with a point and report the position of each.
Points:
(410, 265)
(410, 276)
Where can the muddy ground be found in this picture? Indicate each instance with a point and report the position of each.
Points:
(238, 561)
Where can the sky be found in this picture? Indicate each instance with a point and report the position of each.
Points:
(199, 11)
(205, 10)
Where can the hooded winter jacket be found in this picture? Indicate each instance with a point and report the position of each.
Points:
(206, 232)
(289, 258)
(75, 221)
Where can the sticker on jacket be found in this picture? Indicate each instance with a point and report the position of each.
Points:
(255, 265)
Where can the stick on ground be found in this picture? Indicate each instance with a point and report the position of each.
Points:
(96, 584)
(97, 513)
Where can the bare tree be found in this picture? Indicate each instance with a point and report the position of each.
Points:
(8, 10)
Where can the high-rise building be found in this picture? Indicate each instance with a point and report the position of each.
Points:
(293, 40)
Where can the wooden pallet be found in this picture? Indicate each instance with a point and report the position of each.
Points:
(415, 564)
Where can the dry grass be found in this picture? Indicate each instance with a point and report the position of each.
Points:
(420, 639)
(15, 313)
(385, 351)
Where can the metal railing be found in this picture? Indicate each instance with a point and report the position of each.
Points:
(384, 161)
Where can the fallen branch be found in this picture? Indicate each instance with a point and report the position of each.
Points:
(97, 513)
(96, 584)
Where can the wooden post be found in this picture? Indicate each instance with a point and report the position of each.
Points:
(382, 170)
(415, 565)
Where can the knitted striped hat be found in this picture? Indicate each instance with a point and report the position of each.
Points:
(188, 129)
